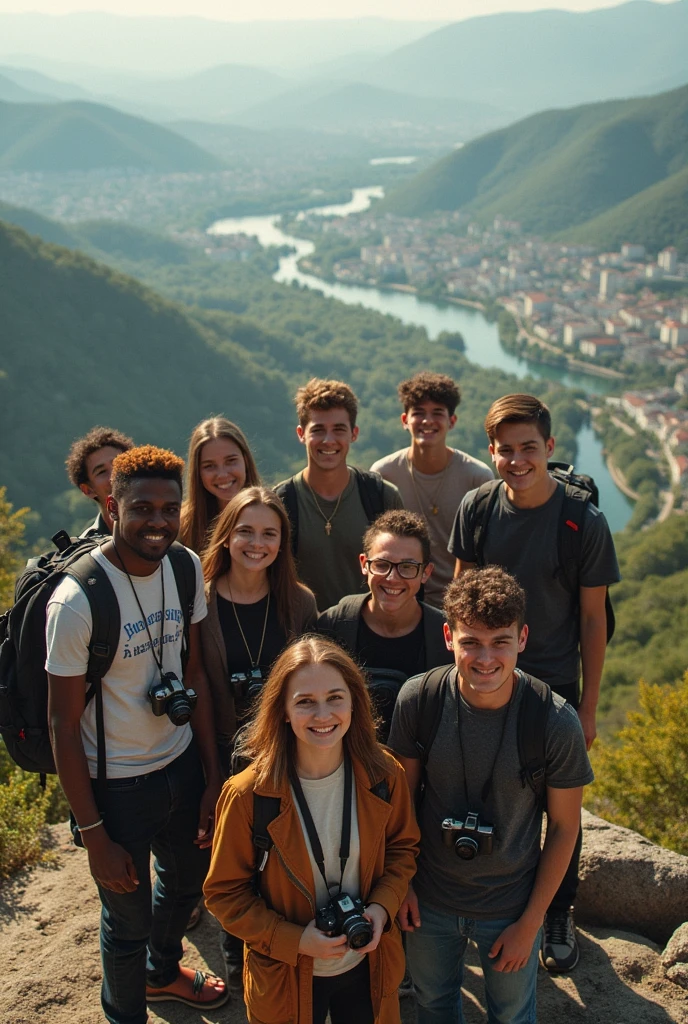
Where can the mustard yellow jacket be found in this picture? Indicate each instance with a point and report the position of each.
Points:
(277, 979)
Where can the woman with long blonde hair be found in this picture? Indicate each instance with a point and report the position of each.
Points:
(341, 837)
(219, 465)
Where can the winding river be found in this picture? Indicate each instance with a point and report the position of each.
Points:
(482, 341)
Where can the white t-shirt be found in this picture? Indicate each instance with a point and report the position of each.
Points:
(136, 741)
(325, 799)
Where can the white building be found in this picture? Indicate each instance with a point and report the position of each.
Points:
(667, 259)
(632, 251)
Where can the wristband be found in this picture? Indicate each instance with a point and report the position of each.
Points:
(87, 828)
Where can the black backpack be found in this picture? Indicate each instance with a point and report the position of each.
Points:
(530, 728)
(579, 490)
(371, 490)
(23, 680)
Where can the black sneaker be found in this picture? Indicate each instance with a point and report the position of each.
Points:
(559, 951)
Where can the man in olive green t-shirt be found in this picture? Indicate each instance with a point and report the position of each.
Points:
(330, 504)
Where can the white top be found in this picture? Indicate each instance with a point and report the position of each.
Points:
(325, 799)
(136, 741)
(443, 491)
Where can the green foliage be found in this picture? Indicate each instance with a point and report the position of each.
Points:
(12, 526)
(659, 551)
(642, 778)
(25, 810)
(566, 168)
(86, 136)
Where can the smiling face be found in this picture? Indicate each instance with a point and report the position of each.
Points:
(98, 472)
(254, 543)
(147, 517)
(392, 594)
(222, 469)
(428, 423)
(486, 659)
(327, 436)
(318, 707)
(520, 454)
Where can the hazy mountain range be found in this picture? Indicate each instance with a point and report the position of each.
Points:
(566, 169)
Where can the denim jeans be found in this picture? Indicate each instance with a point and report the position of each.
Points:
(141, 931)
(435, 954)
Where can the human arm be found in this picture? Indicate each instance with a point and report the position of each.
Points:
(204, 733)
(461, 566)
(110, 864)
(512, 949)
(593, 646)
(391, 496)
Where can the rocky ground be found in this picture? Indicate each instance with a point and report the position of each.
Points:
(51, 963)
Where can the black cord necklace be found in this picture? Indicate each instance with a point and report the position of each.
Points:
(487, 787)
(156, 659)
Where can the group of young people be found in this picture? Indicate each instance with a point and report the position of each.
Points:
(244, 712)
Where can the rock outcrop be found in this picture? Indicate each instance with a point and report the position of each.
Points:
(675, 957)
(628, 882)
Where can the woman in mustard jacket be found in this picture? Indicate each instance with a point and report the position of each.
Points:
(341, 830)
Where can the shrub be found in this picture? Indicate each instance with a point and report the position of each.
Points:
(642, 778)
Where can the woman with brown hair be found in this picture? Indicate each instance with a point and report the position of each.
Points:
(219, 465)
(341, 830)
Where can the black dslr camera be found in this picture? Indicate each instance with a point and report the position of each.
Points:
(246, 685)
(344, 916)
(469, 837)
(170, 697)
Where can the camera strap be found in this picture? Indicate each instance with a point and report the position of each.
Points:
(156, 659)
(487, 787)
(311, 830)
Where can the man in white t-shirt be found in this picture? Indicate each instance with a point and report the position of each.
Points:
(163, 778)
(431, 477)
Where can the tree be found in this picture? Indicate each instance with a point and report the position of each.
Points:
(642, 777)
(12, 526)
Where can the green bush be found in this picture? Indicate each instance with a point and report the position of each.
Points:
(642, 776)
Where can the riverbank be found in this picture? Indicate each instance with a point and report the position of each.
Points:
(620, 480)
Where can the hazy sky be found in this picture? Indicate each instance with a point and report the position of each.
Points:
(249, 10)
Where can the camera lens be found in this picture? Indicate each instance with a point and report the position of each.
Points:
(466, 848)
(179, 709)
(359, 932)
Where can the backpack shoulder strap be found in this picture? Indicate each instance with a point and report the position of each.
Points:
(105, 629)
(531, 734)
(265, 810)
(431, 697)
(287, 492)
(371, 489)
(184, 570)
(483, 504)
(570, 534)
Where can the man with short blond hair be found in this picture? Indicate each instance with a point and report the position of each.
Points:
(331, 504)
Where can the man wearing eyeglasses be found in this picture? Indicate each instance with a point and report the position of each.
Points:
(388, 630)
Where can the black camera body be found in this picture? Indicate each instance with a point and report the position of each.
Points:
(343, 915)
(170, 697)
(469, 837)
(246, 685)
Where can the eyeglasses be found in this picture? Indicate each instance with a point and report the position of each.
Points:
(383, 567)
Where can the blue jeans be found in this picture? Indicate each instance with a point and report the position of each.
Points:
(141, 932)
(435, 954)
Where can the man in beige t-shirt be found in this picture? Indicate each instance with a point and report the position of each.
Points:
(431, 477)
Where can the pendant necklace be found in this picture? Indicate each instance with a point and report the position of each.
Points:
(328, 520)
(256, 663)
(434, 506)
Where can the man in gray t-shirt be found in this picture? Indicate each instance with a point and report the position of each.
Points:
(567, 617)
(500, 898)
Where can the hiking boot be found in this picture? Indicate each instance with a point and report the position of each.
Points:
(559, 951)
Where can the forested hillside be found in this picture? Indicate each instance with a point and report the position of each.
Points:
(85, 345)
(87, 136)
(562, 168)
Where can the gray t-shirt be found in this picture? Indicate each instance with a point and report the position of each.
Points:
(498, 884)
(328, 563)
(444, 491)
(524, 541)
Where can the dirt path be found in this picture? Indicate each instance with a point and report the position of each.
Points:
(51, 964)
